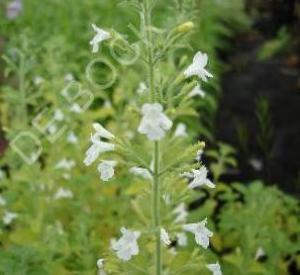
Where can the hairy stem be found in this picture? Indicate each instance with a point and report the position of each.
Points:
(156, 210)
(156, 172)
(149, 47)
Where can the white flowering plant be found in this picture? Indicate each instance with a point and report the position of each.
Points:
(149, 242)
(60, 216)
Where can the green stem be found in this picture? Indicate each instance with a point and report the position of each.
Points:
(156, 172)
(149, 46)
(156, 210)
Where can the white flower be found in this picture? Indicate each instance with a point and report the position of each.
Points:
(2, 201)
(260, 252)
(75, 108)
(141, 172)
(95, 150)
(102, 132)
(63, 193)
(142, 89)
(38, 80)
(180, 130)
(127, 245)
(215, 268)
(98, 146)
(58, 115)
(197, 91)
(9, 217)
(164, 237)
(52, 129)
(202, 234)
(199, 155)
(181, 239)
(100, 265)
(154, 122)
(199, 178)
(198, 67)
(106, 169)
(181, 213)
(100, 36)
(65, 164)
(72, 138)
(107, 104)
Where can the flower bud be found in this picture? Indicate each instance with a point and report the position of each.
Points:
(185, 27)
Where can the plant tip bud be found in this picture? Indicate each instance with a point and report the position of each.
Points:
(185, 27)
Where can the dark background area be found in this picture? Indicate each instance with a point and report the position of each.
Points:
(270, 87)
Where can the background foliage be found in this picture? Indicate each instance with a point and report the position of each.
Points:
(65, 236)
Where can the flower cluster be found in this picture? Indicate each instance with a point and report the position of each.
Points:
(154, 123)
(202, 234)
(197, 68)
(199, 178)
(100, 36)
(106, 168)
